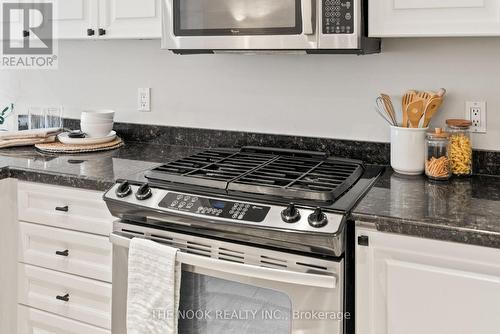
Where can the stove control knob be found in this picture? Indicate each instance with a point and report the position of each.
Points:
(123, 189)
(290, 214)
(144, 192)
(317, 218)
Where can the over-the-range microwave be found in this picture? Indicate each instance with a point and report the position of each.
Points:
(306, 26)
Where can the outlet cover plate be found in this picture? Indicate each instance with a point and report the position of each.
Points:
(144, 99)
(475, 111)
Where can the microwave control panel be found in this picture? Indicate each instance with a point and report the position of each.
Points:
(338, 16)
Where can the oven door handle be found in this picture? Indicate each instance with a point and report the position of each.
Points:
(307, 17)
(269, 274)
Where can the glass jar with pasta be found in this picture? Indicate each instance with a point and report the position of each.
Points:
(460, 151)
(437, 162)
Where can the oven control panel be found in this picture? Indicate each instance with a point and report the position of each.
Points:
(338, 16)
(215, 207)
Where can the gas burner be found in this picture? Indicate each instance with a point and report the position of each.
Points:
(259, 172)
(287, 199)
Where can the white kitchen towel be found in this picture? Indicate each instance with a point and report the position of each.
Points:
(153, 288)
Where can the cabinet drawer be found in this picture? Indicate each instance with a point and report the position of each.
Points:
(32, 321)
(74, 209)
(87, 300)
(77, 252)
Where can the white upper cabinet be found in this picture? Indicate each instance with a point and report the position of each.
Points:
(421, 18)
(15, 31)
(98, 19)
(130, 18)
(75, 18)
(408, 285)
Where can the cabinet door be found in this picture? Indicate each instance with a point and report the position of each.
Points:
(69, 208)
(33, 321)
(14, 17)
(71, 252)
(414, 18)
(69, 296)
(130, 18)
(72, 18)
(413, 286)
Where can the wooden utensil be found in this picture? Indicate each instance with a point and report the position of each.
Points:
(431, 109)
(408, 98)
(441, 92)
(389, 106)
(425, 96)
(415, 111)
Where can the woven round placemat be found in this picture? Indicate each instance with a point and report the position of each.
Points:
(58, 147)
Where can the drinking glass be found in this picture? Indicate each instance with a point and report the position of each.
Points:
(36, 118)
(53, 117)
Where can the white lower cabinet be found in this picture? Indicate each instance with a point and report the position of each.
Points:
(64, 261)
(63, 250)
(410, 285)
(67, 295)
(33, 321)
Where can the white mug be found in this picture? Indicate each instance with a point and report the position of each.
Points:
(408, 150)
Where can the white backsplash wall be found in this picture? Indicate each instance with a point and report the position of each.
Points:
(315, 95)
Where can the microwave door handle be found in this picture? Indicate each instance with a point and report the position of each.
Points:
(307, 17)
(314, 280)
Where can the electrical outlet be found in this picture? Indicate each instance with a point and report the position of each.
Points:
(476, 112)
(144, 99)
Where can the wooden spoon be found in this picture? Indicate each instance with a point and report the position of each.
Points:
(415, 112)
(431, 109)
(407, 99)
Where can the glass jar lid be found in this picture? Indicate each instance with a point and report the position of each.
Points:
(459, 123)
(438, 134)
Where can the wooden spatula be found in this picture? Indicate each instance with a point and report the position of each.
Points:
(431, 109)
(415, 112)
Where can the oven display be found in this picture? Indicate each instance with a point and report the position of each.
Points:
(215, 208)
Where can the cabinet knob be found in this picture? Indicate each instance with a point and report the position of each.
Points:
(102, 31)
(62, 208)
(26, 33)
(63, 253)
(90, 32)
(64, 298)
(363, 240)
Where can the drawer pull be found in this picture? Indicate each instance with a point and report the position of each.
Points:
(62, 208)
(64, 298)
(63, 253)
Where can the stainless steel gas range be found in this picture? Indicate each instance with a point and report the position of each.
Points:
(263, 235)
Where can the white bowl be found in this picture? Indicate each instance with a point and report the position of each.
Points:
(96, 122)
(98, 114)
(96, 130)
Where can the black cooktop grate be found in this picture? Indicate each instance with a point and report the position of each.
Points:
(286, 174)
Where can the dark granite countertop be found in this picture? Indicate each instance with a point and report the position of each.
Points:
(464, 210)
(96, 171)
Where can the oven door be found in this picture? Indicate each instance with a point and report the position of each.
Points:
(239, 24)
(222, 293)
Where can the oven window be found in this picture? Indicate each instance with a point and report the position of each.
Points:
(237, 17)
(210, 305)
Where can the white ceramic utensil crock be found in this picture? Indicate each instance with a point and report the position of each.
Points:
(408, 150)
